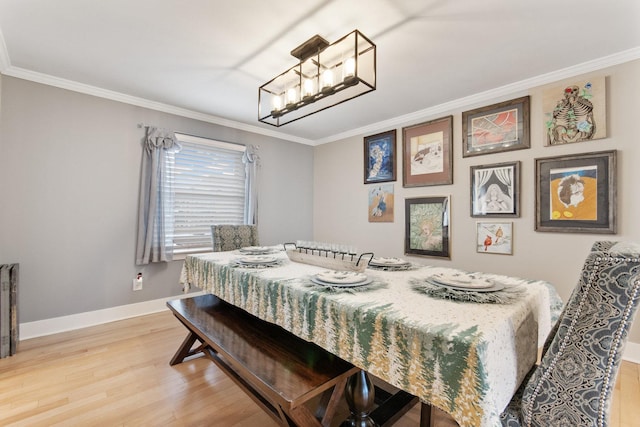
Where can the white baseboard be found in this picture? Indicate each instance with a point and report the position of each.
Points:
(55, 325)
(91, 318)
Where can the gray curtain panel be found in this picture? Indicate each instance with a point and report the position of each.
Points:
(153, 243)
(251, 161)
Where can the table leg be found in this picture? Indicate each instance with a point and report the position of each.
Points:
(360, 396)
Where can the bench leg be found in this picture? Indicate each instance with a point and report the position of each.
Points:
(185, 351)
(425, 415)
(302, 416)
(393, 407)
(329, 402)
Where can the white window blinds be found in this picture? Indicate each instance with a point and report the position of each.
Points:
(208, 187)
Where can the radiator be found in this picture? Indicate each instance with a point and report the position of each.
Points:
(8, 309)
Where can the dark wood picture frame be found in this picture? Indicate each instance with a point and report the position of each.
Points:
(577, 193)
(504, 126)
(380, 157)
(427, 226)
(428, 153)
(495, 190)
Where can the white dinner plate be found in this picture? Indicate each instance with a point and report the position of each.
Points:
(256, 259)
(255, 250)
(496, 286)
(341, 277)
(461, 280)
(366, 281)
(388, 262)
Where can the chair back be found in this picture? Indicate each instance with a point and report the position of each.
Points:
(581, 358)
(229, 237)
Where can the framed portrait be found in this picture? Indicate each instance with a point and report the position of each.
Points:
(381, 203)
(427, 153)
(496, 128)
(494, 237)
(575, 112)
(380, 157)
(427, 226)
(577, 193)
(495, 190)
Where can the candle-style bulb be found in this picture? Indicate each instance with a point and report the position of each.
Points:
(307, 88)
(291, 96)
(350, 67)
(276, 105)
(327, 81)
(349, 72)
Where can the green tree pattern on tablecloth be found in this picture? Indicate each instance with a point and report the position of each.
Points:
(440, 363)
(470, 385)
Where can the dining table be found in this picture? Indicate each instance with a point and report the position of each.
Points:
(464, 351)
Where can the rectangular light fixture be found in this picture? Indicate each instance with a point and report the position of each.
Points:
(326, 75)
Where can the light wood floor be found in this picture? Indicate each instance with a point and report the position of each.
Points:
(118, 374)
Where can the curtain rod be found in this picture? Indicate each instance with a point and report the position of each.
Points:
(145, 125)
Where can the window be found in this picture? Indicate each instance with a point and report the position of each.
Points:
(207, 184)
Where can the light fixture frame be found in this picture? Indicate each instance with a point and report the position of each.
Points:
(315, 57)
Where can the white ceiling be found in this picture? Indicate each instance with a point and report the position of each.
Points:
(206, 58)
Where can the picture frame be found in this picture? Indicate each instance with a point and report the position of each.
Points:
(494, 237)
(427, 226)
(380, 157)
(504, 126)
(577, 193)
(495, 190)
(428, 153)
(575, 112)
(381, 203)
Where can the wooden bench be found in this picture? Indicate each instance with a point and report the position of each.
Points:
(279, 371)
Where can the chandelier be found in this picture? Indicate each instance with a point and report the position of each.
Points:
(326, 75)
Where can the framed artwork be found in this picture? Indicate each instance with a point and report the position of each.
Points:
(575, 112)
(494, 237)
(495, 190)
(427, 226)
(576, 193)
(496, 128)
(427, 153)
(380, 157)
(381, 202)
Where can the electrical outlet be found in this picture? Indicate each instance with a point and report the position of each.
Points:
(137, 282)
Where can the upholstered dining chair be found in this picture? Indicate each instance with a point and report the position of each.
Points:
(228, 237)
(573, 383)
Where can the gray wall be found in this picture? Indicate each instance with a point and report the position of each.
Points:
(69, 177)
(340, 197)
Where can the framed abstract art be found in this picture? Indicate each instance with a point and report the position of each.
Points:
(496, 128)
(494, 237)
(427, 226)
(495, 190)
(428, 153)
(576, 193)
(381, 203)
(380, 157)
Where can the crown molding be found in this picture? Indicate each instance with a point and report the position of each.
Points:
(514, 89)
(511, 90)
(71, 85)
